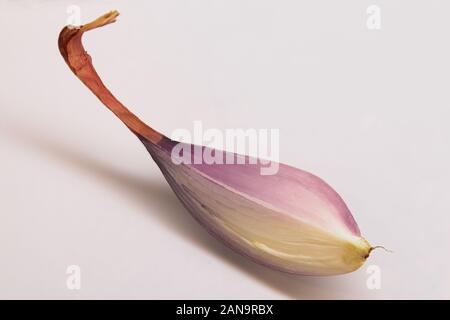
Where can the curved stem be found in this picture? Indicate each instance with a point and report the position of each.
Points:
(79, 61)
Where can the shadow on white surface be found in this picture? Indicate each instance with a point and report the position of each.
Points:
(177, 219)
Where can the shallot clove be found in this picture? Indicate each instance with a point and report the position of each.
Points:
(291, 221)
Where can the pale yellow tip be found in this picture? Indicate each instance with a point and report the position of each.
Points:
(101, 21)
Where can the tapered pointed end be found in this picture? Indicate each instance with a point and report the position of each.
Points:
(101, 21)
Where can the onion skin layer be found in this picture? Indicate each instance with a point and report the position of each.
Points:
(291, 221)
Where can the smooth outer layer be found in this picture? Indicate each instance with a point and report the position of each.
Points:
(291, 221)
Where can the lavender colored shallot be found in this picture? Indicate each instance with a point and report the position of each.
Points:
(291, 221)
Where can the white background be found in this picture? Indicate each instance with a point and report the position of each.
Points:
(367, 110)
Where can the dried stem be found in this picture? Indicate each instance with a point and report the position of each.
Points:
(79, 61)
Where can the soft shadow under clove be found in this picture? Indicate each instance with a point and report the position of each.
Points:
(173, 216)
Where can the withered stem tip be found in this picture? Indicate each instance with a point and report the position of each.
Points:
(101, 21)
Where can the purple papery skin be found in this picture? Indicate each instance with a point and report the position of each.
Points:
(289, 190)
